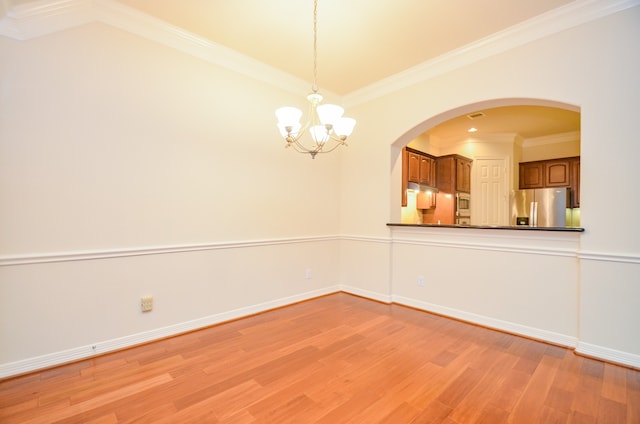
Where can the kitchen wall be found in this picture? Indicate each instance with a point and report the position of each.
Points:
(410, 213)
(127, 168)
(510, 147)
(551, 147)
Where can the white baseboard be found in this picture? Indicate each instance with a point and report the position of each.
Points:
(98, 348)
(586, 349)
(609, 355)
(384, 298)
(509, 327)
(105, 346)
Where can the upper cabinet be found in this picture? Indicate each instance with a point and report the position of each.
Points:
(531, 175)
(405, 176)
(450, 174)
(421, 167)
(575, 182)
(557, 173)
(562, 172)
(453, 173)
(463, 174)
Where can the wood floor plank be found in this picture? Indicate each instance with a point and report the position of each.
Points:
(403, 413)
(460, 387)
(614, 383)
(434, 413)
(334, 359)
(489, 386)
(530, 405)
(139, 413)
(552, 415)
(220, 406)
(63, 413)
(490, 414)
(588, 393)
(610, 411)
(633, 406)
(510, 390)
(580, 418)
(110, 418)
(441, 380)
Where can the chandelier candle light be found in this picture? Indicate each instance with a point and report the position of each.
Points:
(327, 127)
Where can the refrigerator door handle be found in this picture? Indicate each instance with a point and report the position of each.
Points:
(533, 214)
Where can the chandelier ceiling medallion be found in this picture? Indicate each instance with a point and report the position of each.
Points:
(327, 128)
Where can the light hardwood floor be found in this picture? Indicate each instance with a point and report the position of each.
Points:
(335, 359)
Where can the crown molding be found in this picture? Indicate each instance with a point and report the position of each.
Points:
(42, 17)
(552, 139)
(505, 138)
(509, 138)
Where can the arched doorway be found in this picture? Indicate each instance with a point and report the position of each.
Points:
(509, 131)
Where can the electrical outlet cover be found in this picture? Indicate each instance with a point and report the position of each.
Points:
(146, 303)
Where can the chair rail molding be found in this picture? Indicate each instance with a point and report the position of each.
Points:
(87, 255)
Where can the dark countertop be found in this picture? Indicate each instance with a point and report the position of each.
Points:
(490, 227)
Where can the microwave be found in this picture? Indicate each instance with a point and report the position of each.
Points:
(463, 204)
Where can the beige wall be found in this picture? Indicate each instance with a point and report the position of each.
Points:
(115, 141)
(128, 168)
(602, 264)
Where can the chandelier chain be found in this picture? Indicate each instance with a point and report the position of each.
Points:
(315, 47)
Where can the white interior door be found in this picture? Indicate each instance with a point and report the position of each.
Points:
(490, 195)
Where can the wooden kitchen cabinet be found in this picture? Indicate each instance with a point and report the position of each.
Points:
(557, 173)
(413, 167)
(450, 174)
(427, 171)
(575, 182)
(405, 176)
(425, 200)
(561, 172)
(453, 174)
(421, 167)
(463, 174)
(531, 175)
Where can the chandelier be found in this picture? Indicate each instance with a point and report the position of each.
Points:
(326, 126)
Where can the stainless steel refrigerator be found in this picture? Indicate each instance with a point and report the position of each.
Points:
(540, 207)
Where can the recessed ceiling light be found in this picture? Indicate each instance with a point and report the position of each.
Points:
(472, 130)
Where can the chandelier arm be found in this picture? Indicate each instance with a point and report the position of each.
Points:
(335, 146)
(323, 148)
(304, 149)
(301, 132)
(340, 141)
(330, 145)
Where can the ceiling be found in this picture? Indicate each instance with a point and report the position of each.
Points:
(528, 122)
(360, 42)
